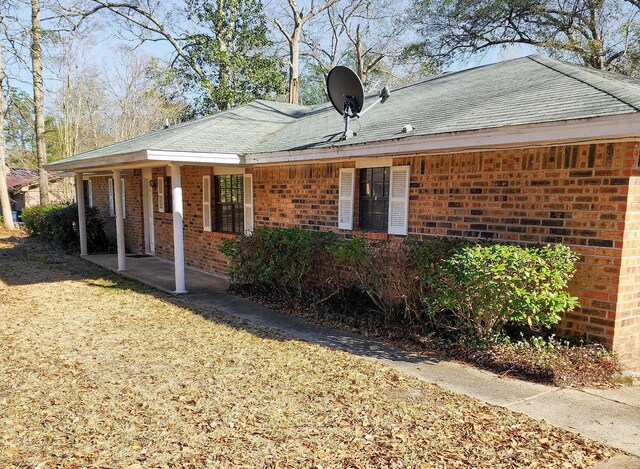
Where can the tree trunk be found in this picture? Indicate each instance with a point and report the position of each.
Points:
(360, 66)
(38, 99)
(294, 64)
(5, 204)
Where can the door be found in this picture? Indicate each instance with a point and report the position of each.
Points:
(147, 207)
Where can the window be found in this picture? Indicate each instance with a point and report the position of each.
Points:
(112, 206)
(160, 185)
(374, 199)
(112, 203)
(165, 196)
(168, 194)
(229, 202)
(122, 193)
(206, 203)
(88, 193)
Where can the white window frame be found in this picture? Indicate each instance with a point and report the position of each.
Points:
(124, 199)
(206, 203)
(111, 198)
(161, 194)
(89, 189)
(247, 186)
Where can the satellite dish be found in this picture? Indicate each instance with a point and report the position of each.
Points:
(346, 93)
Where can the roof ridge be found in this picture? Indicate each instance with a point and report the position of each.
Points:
(545, 62)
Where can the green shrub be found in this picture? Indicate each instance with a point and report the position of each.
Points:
(449, 285)
(34, 218)
(286, 261)
(58, 224)
(484, 287)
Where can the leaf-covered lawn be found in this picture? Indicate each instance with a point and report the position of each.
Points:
(98, 371)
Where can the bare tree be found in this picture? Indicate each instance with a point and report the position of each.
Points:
(38, 99)
(293, 38)
(369, 50)
(136, 103)
(149, 19)
(95, 105)
(5, 203)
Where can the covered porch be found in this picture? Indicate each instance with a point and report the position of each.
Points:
(147, 184)
(159, 273)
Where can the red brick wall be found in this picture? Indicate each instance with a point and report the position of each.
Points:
(134, 223)
(162, 222)
(300, 195)
(626, 337)
(201, 248)
(576, 195)
(581, 195)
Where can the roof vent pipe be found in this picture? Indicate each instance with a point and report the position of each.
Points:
(407, 128)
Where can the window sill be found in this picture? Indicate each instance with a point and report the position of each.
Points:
(376, 235)
(220, 234)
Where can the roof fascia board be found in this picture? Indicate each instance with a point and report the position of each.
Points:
(146, 158)
(610, 127)
(194, 157)
(99, 162)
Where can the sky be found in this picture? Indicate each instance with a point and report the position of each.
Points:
(106, 41)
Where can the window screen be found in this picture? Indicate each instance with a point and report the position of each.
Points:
(374, 199)
(229, 201)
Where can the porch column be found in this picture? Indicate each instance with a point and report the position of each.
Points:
(117, 201)
(178, 241)
(82, 214)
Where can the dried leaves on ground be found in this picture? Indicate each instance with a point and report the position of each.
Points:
(96, 371)
(555, 361)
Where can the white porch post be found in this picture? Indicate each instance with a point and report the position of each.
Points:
(82, 214)
(178, 241)
(117, 196)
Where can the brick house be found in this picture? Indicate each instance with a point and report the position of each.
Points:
(531, 150)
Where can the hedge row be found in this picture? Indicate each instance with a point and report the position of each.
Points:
(58, 224)
(470, 288)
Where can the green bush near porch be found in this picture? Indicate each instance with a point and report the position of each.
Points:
(451, 286)
(58, 224)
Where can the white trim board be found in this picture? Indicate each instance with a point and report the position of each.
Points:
(147, 158)
(612, 128)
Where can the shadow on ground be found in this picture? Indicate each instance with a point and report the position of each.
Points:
(25, 261)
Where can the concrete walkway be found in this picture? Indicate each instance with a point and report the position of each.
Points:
(611, 416)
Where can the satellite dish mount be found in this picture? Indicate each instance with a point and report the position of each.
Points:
(347, 96)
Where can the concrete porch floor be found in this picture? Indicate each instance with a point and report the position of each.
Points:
(159, 273)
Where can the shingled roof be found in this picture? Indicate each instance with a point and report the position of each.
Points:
(527, 90)
(18, 178)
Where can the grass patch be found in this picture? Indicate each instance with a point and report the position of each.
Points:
(93, 376)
